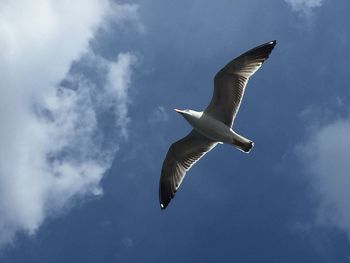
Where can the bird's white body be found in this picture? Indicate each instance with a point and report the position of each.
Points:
(215, 129)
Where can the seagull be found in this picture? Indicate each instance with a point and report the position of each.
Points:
(213, 125)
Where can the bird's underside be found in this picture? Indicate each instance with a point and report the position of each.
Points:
(229, 87)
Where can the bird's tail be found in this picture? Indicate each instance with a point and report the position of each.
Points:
(242, 144)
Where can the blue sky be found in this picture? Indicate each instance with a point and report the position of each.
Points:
(87, 101)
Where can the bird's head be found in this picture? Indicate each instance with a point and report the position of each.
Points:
(183, 112)
(189, 114)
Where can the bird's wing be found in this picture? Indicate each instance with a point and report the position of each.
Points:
(181, 156)
(230, 82)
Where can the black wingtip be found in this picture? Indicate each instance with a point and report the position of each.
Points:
(273, 42)
(164, 197)
(270, 44)
(263, 50)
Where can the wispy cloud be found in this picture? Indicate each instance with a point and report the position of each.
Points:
(53, 148)
(325, 156)
(304, 7)
(118, 82)
(159, 114)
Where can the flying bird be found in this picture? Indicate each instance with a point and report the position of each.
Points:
(213, 125)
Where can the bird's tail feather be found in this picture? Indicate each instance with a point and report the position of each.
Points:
(243, 144)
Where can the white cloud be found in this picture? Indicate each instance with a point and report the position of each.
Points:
(118, 80)
(304, 6)
(52, 147)
(159, 114)
(326, 158)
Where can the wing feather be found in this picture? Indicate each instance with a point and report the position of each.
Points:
(230, 82)
(181, 156)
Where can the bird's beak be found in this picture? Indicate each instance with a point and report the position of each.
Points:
(177, 110)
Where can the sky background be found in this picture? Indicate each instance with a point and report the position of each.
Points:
(87, 95)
